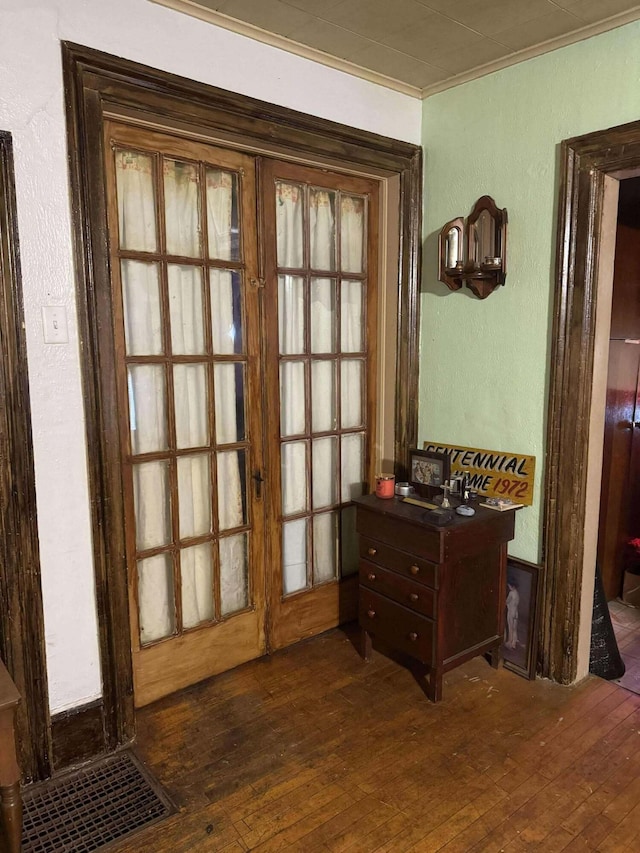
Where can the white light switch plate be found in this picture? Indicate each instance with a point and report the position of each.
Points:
(54, 319)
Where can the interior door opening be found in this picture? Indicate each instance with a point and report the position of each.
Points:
(619, 523)
(618, 554)
(100, 88)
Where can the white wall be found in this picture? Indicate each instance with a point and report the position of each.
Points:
(32, 109)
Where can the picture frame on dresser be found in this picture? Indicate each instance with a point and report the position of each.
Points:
(428, 470)
(519, 650)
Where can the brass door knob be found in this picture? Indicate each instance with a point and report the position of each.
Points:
(414, 569)
(413, 596)
(413, 636)
(372, 551)
(371, 576)
(371, 613)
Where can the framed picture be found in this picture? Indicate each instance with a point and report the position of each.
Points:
(520, 647)
(428, 470)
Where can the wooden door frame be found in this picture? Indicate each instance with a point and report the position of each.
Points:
(22, 646)
(98, 85)
(586, 162)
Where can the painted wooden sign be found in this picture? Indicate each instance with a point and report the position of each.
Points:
(492, 472)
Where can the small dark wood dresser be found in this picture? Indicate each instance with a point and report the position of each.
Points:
(434, 593)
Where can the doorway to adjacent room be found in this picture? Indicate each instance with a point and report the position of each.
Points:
(619, 525)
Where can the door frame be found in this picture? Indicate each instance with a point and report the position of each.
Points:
(22, 644)
(100, 86)
(589, 165)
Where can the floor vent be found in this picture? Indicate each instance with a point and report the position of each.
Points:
(89, 808)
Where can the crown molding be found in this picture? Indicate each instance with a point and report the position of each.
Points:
(611, 23)
(195, 10)
(243, 28)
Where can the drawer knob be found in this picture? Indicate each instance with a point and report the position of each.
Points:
(371, 576)
(371, 613)
(413, 636)
(414, 569)
(413, 596)
(372, 551)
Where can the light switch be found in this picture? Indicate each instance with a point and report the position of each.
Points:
(54, 318)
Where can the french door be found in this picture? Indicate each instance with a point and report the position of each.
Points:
(321, 273)
(228, 346)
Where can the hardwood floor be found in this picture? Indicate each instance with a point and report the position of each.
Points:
(313, 750)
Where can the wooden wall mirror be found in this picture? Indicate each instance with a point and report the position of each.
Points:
(474, 252)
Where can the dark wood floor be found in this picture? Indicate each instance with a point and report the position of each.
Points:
(311, 749)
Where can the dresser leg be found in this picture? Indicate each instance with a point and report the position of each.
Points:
(11, 808)
(494, 657)
(365, 644)
(434, 687)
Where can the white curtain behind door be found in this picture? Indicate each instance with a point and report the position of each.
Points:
(147, 385)
(323, 338)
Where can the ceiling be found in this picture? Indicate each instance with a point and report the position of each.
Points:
(415, 46)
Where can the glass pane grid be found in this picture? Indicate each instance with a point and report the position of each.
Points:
(136, 196)
(183, 310)
(156, 598)
(182, 208)
(317, 330)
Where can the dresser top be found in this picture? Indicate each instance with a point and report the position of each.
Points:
(412, 514)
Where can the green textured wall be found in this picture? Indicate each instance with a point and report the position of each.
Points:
(484, 364)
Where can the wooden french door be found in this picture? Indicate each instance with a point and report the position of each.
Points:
(185, 307)
(219, 346)
(320, 250)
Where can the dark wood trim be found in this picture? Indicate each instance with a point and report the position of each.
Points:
(98, 86)
(408, 340)
(90, 235)
(77, 735)
(586, 160)
(22, 646)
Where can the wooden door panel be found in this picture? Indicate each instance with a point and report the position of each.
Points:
(189, 658)
(625, 308)
(310, 613)
(633, 518)
(624, 360)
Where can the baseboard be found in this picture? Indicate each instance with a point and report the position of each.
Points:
(78, 735)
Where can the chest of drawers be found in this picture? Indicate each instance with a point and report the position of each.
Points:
(435, 593)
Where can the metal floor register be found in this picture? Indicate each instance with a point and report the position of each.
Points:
(90, 808)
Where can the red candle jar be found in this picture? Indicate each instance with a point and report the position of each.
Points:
(385, 485)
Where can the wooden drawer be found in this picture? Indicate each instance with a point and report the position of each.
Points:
(414, 595)
(422, 540)
(408, 565)
(401, 628)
